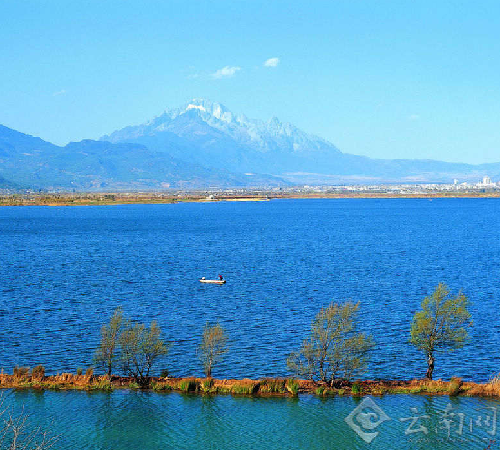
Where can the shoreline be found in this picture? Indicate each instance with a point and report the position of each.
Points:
(265, 387)
(107, 199)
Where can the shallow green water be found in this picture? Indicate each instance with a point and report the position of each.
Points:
(137, 420)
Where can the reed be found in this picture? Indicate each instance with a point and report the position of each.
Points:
(292, 386)
(272, 386)
(189, 385)
(245, 388)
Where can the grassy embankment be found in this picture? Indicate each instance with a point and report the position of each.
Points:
(23, 378)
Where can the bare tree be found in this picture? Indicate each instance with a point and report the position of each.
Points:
(16, 434)
(213, 346)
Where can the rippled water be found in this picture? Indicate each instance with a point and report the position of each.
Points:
(135, 420)
(65, 269)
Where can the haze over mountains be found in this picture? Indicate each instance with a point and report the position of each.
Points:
(202, 145)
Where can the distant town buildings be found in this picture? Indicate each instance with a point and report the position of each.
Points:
(486, 184)
(487, 181)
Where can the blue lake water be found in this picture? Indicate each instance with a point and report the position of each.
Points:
(135, 420)
(64, 270)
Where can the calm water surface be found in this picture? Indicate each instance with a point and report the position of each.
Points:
(134, 420)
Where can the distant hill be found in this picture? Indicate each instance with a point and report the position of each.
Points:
(28, 161)
(204, 145)
(6, 184)
(210, 134)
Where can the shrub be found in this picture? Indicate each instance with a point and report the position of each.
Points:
(21, 372)
(320, 390)
(272, 386)
(133, 385)
(102, 384)
(292, 386)
(38, 372)
(454, 386)
(188, 385)
(494, 384)
(378, 390)
(246, 388)
(206, 385)
(165, 373)
(158, 387)
(356, 389)
(79, 371)
(415, 390)
(89, 372)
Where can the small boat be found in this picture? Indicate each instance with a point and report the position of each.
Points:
(204, 280)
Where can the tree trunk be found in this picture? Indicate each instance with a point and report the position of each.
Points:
(208, 368)
(430, 366)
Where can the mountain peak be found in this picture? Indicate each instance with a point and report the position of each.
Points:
(191, 106)
(215, 132)
(206, 108)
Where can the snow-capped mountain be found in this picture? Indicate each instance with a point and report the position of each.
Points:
(262, 136)
(210, 134)
(201, 145)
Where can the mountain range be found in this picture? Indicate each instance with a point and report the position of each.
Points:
(201, 145)
(28, 162)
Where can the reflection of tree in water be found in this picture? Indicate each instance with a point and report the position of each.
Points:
(211, 422)
(127, 419)
(245, 422)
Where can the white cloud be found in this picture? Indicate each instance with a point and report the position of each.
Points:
(271, 62)
(61, 92)
(414, 117)
(226, 72)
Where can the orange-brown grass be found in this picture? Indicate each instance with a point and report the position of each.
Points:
(490, 389)
(22, 378)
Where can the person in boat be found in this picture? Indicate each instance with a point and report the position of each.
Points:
(220, 277)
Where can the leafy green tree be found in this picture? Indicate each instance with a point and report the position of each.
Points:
(213, 345)
(108, 350)
(335, 349)
(441, 324)
(140, 348)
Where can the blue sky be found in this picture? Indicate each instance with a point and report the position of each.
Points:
(385, 79)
